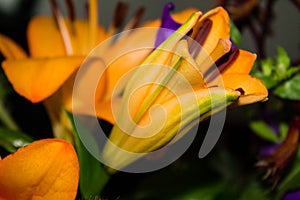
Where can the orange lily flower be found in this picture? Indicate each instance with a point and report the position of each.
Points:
(179, 84)
(44, 169)
(57, 48)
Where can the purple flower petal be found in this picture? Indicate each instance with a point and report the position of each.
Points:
(168, 25)
(295, 195)
(267, 150)
(233, 45)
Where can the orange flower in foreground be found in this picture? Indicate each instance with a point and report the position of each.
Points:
(45, 169)
(179, 85)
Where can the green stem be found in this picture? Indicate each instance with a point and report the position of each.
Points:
(6, 118)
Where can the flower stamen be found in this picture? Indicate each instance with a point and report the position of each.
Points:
(200, 37)
(134, 22)
(70, 10)
(221, 64)
(120, 13)
(93, 22)
(62, 27)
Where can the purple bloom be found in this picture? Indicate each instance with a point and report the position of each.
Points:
(267, 150)
(295, 195)
(233, 45)
(168, 25)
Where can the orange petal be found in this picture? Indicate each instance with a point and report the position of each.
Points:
(37, 79)
(10, 49)
(118, 69)
(254, 89)
(88, 86)
(81, 40)
(45, 169)
(44, 38)
(220, 30)
(242, 64)
(107, 110)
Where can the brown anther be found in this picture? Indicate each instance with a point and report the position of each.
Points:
(200, 37)
(241, 91)
(221, 64)
(54, 9)
(134, 22)
(228, 58)
(203, 32)
(120, 13)
(70, 9)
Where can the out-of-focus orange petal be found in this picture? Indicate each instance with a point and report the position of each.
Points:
(10, 49)
(45, 169)
(81, 37)
(106, 110)
(242, 64)
(220, 29)
(44, 38)
(89, 85)
(179, 17)
(37, 79)
(254, 89)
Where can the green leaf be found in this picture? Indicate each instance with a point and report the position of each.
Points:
(267, 66)
(11, 140)
(292, 71)
(5, 87)
(209, 192)
(235, 34)
(283, 130)
(93, 176)
(290, 89)
(254, 191)
(264, 131)
(283, 61)
(269, 81)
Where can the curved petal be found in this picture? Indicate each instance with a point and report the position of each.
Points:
(45, 169)
(10, 49)
(44, 38)
(254, 89)
(220, 30)
(169, 120)
(37, 79)
(242, 64)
